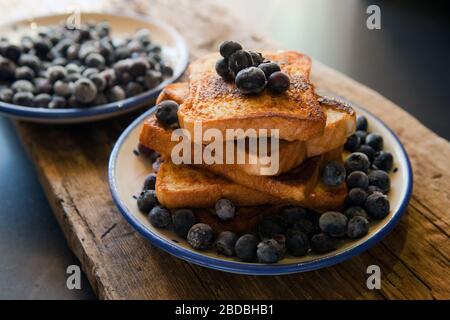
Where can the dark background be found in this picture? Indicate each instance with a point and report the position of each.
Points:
(407, 61)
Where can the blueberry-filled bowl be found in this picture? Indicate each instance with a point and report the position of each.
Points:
(174, 53)
(128, 170)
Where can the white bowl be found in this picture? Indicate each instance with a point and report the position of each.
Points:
(127, 172)
(174, 51)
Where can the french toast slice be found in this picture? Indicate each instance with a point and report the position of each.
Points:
(293, 186)
(182, 186)
(215, 103)
(340, 123)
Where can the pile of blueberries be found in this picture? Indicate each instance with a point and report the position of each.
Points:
(62, 68)
(249, 70)
(295, 230)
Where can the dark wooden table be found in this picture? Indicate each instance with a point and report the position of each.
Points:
(120, 264)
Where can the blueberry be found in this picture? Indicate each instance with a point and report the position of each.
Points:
(146, 201)
(99, 81)
(225, 209)
(166, 112)
(84, 90)
(62, 89)
(55, 73)
(183, 220)
(24, 73)
(251, 80)
(384, 161)
(138, 67)
(357, 161)
(374, 189)
(152, 79)
(368, 151)
(362, 136)
(122, 52)
(222, 69)
(59, 61)
(23, 98)
(73, 77)
(245, 248)
(133, 89)
(357, 179)
(293, 214)
(6, 95)
(200, 236)
(380, 179)
(100, 100)
(321, 243)
(257, 58)
(72, 51)
(357, 227)
(278, 82)
(86, 48)
(272, 226)
(26, 44)
(72, 68)
(135, 46)
(306, 226)
(57, 102)
(167, 71)
(227, 48)
(42, 100)
(297, 243)
(72, 102)
(43, 85)
(333, 224)
(110, 77)
(239, 60)
(352, 143)
(355, 211)
(95, 60)
(31, 61)
(159, 217)
(22, 86)
(375, 141)
(333, 174)
(269, 251)
(361, 123)
(12, 52)
(377, 206)
(269, 67)
(142, 35)
(89, 72)
(356, 197)
(7, 69)
(225, 243)
(115, 93)
(150, 182)
(122, 66)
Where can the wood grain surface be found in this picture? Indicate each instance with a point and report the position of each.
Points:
(120, 264)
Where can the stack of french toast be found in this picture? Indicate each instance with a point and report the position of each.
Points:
(311, 131)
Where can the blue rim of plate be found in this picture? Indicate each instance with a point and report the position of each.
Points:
(198, 258)
(121, 106)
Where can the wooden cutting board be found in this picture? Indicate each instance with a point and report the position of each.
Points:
(120, 264)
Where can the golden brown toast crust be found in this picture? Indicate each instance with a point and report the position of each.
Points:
(219, 104)
(181, 186)
(293, 187)
(291, 153)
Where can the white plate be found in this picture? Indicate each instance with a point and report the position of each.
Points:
(175, 52)
(128, 171)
